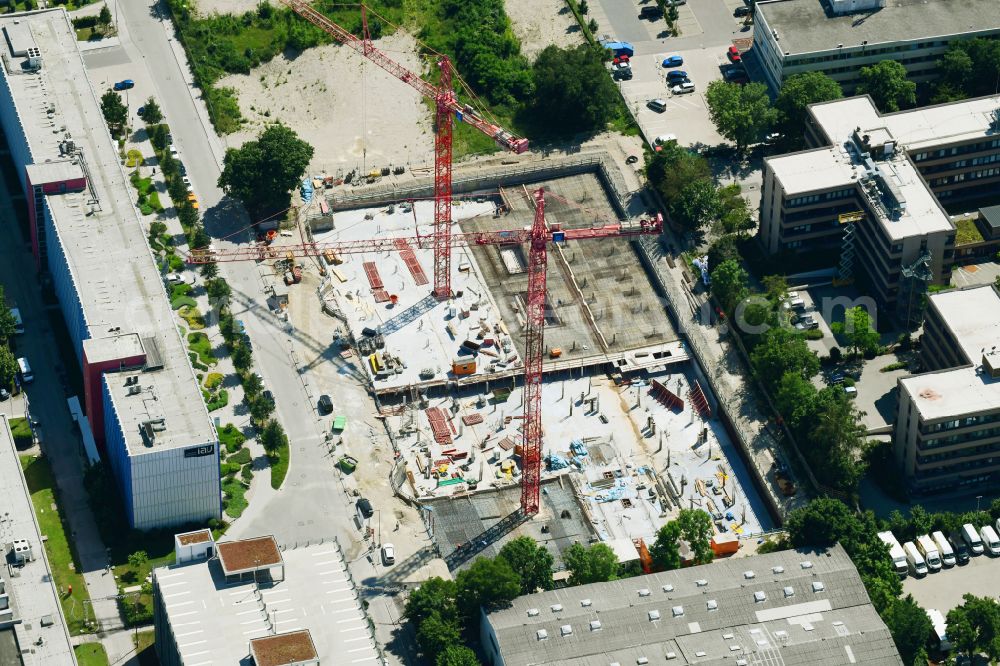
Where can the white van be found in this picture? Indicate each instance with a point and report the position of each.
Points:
(929, 550)
(971, 538)
(990, 539)
(895, 552)
(913, 558)
(25, 370)
(944, 549)
(18, 322)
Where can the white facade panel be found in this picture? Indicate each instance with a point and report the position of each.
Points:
(176, 486)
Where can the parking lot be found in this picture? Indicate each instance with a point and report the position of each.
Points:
(686, 116)
(943, 590)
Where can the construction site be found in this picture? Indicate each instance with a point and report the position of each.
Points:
(512, 336)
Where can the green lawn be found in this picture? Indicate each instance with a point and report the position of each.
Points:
(231, 437)
(91, 654)
(179, 296)
(235, 502)
(193, 317)
(22, 432)
(241, 457)
(202, 346)
(279, 466)
(62, 559)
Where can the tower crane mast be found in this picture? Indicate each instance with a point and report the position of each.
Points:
(447, 108)
(538, 236)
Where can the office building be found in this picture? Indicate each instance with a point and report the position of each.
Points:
(839, 37)
(33, 630)
(249, 601)
(947, 429)
(795, 607)
(868, 195)
(141, 397)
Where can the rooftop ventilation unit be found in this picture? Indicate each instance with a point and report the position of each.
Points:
(22, 551)
(991, 363)
(532, 612)
(842, 7)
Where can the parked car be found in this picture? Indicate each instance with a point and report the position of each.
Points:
(734, 54)
(364, 508)
(742, 11)
(4, 394)
(650, 12)
(325, 404)
(267, 395)
(961, 548)
(187, 182)
(624, 57)
(174, 279)
(657, 105)
(677, 76)
(619, 73)
(806, 322)
(193, 200)
(673, 61)
(735, 75)
(388, 554)
(682, 88)
(127, 84)
(173, 150)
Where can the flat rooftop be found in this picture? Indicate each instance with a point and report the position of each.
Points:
(99, 229)
(804, 26)
(791, 607)
(840, 165)
(214, 620)
(34, 608)
(951, 393)
(972, 315)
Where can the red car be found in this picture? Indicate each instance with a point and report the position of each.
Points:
(734, 54)
(620, 59)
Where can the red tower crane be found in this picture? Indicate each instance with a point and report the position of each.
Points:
(446, 109)
(538, 236)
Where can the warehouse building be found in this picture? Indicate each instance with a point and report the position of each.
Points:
(795, 607)
(251, 602)
(32, 628)
(141, 396)
(869, 194)
(947, 430)
(839, 37)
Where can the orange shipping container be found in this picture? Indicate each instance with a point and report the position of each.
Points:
(463, 366)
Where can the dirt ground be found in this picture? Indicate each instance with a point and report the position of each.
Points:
(354, 114)
(227, 6)
(538, 23)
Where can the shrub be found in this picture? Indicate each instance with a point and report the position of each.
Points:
(214, 380)
(231, 437)
(241, 457)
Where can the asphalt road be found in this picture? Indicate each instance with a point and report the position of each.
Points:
(311, 505)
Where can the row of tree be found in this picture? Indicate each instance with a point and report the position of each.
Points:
(8, 361)
(969, 68)
(826, 425)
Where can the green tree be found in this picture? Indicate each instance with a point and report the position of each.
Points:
(273, 436)
(531, 561)
(486, 583)
(975, 626)
(665, 551)
(435, 595)
(592, 25)
(151, 113)
(824, 522)
(252, 385)
(672, 168)
(218, 290)
(729, 284)
(7, 321)
(262, 173)
(696, 528)
(793, 397)
(261, 409)
(209, 270)
(597, 564)
(835, 440)
(734, 210)
(435, 635)
(115, 112)
(723, 249)
(104, 18)
(888, 86)
(573, 92)
(782, 350)
(138, 559)
(857, 328)
(456, 655)
(909, 625)
(775, 287)
(242, 357)
(8, 367)
(742, 114)
(797, 93)
(696, 205)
